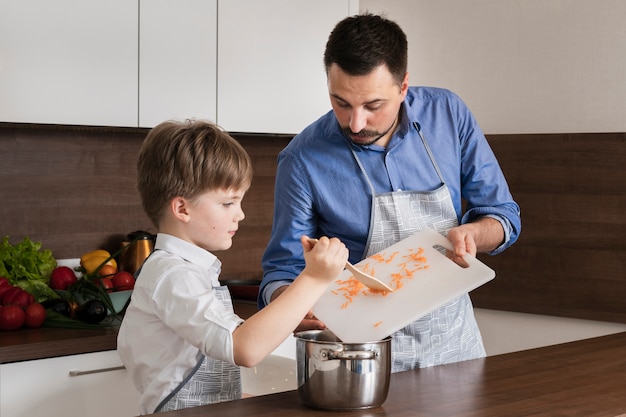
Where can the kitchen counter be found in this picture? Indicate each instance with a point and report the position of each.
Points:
(46, 342)
(583, 378)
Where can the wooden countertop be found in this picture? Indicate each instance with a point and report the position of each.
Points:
(584, 378)
(30, 344)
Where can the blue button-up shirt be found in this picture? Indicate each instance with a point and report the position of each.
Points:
(320, 189)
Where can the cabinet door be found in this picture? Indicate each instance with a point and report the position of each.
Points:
(88, 385)
(69, 62)
(177, 55)
(271, 75)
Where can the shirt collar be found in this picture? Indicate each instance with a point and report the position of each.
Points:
(186, 250)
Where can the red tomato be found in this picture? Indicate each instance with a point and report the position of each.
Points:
(35, 315)
(62, 277)
(18, 297)
(10, 294)
(3, 290)
(11, 317)
(106, 283)
(123, 281)
(107, 271)
(4, 281)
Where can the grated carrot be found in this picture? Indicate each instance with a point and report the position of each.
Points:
(411, 263)
(378, 323)
(380, 257)
(393, 255)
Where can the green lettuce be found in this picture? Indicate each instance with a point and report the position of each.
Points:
(28, 267)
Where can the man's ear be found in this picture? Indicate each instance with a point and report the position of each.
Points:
(179, 208)
(404, 88)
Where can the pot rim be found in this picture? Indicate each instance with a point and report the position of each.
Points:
(308, 336)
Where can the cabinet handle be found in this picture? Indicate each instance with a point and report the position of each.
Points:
(95, 371)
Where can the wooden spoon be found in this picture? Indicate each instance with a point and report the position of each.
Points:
(365, 279)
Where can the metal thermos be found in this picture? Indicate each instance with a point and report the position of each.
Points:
(139, 246)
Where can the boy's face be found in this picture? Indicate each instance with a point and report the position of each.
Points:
(214, 218)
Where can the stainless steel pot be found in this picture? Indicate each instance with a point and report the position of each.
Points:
(333, 375)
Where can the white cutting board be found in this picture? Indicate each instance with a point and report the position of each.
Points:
(429, 280)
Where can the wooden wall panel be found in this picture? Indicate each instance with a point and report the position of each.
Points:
(72, 188)
(570, 259)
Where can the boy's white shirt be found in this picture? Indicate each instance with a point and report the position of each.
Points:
(173, 319)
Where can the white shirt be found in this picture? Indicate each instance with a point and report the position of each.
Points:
(174, 318)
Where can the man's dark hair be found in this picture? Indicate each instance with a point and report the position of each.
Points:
(360, 43)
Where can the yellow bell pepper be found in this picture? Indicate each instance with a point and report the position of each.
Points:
(92, 261)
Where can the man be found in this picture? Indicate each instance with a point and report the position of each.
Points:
(387, 161)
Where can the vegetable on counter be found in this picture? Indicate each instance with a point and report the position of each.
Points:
(92, 261)
(59, 306)
(11, 317)
(26, 266)
(18, 308)
(123, 281)
(92, 312)
(62, 277)
(35, 291)
(35, 315)
(15, 296)
(89, 296)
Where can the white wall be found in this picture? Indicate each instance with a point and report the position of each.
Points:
(523, 66)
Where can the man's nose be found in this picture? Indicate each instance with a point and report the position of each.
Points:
(358, 121)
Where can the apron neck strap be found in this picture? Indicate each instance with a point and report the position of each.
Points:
(430, 153)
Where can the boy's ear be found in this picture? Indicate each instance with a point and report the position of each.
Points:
(178, 207)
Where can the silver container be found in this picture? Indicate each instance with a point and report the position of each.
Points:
(333, 375)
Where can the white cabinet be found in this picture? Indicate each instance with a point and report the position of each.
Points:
(270, 73)
(177, 55)
(249, 65)
(69, 62)
(87, 385)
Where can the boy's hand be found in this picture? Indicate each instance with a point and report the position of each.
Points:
(325, 258)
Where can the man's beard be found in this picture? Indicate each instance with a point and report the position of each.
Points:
(367, 137)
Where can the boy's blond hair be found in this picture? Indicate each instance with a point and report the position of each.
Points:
(185, 159)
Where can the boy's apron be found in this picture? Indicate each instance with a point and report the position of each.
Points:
(450, 333)
(211, 381)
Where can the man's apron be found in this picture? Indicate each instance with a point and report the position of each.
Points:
(211, 380)
(449, 333)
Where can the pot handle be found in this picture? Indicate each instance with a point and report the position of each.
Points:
(327, 354)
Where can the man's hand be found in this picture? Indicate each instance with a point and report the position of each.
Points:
(483, 235)
(310, 322)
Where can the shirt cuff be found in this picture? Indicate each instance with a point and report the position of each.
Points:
(506, 226)
(271, 287)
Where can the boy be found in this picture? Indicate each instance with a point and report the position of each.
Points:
(180, 339)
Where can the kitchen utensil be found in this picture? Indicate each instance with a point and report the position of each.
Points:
(426, 280)
(138, 247)
(366, 279)
(333, 375)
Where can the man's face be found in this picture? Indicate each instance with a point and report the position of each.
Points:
(367, 106)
